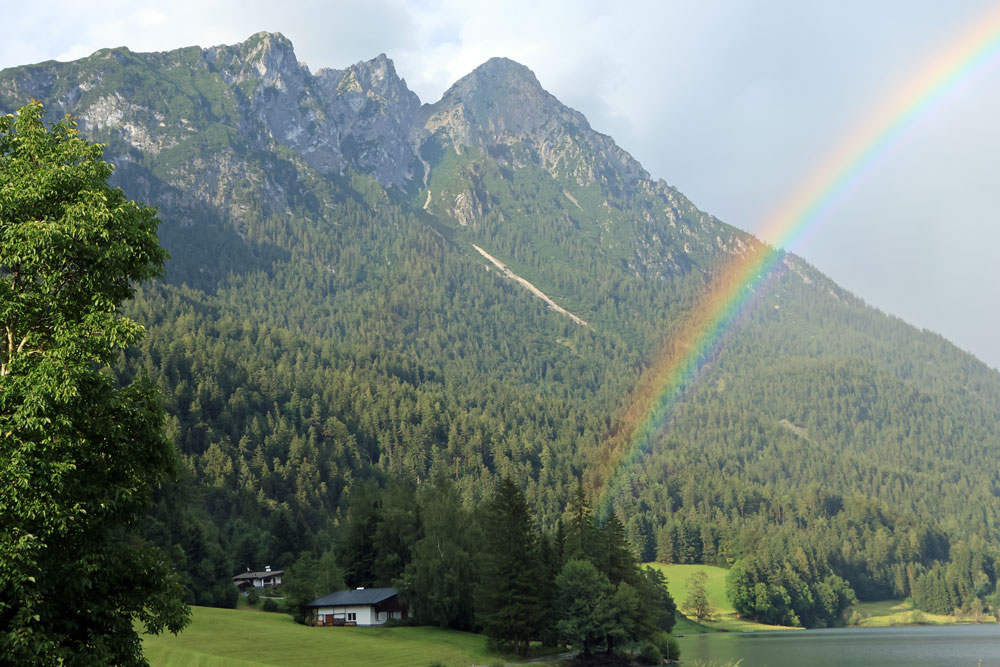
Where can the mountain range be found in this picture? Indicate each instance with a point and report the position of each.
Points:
(364, 286)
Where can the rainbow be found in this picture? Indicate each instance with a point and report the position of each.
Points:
(733, 289)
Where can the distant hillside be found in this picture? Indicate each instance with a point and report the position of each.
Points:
(328, 315)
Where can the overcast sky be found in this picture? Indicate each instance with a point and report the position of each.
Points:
(732, 102)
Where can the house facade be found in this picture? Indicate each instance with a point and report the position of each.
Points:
(268, 577)
(359, 606)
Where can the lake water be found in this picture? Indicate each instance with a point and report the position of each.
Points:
(913, 646)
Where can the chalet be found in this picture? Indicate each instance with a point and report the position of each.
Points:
(268, 577)
(361, 606)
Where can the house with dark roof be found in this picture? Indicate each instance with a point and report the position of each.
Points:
(359, 606)
(268, 577)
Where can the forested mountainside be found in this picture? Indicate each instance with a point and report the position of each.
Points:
(329, 315)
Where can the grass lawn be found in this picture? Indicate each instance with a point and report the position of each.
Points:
(898, 612)
(715, 586)
(219, 637)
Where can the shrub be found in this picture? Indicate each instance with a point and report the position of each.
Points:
(667, 645)
(673, 651)
(253, 597)
(649, 654)
(270, 604)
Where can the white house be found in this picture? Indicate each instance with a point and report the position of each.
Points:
(268, 577)
(360, 606)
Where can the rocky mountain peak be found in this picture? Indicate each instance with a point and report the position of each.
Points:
(499, 76)
(378, 73)
(501, 100)
(373, 112)
(501, 103)
(269, 50)
(375, 78)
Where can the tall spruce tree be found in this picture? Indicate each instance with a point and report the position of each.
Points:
(397, 531)
(356, 541)
(509, 597)
(580, 540)
(616, 559)
(657, 611)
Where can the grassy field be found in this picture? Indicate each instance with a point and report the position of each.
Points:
(896, 612)
(219, 637)
(715, 586)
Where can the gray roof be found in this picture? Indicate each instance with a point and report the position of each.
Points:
(258, 575)
(353, 596)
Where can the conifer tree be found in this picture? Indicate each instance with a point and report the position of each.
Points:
(356, 541)
(580, 534)
(508, 599)
(616, 559)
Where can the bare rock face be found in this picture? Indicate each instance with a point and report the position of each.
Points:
(282, 104)
(374, 110)
(254, 93)
(501, 104)
(360, 116)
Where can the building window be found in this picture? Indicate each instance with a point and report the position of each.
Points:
(351, 616)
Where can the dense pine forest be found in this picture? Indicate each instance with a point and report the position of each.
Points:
(325, 329)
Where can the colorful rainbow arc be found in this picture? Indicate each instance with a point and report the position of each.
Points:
(734, 287)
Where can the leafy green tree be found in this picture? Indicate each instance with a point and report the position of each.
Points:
(583, 611)
(79, 456)
(309, 578)
(438, 583)
(619, 613)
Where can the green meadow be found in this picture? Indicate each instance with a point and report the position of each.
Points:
(902, 612)
(883, 613)
(724, 618)
(218, 637)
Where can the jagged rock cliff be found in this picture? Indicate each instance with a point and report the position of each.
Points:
(257, 91)
(501, 105)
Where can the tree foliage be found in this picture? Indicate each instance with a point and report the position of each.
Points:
(438, 583)
(309, 578)
(79, 456)
(509, 598)
(697, 598)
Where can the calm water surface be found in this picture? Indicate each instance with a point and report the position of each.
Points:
(916, 646)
